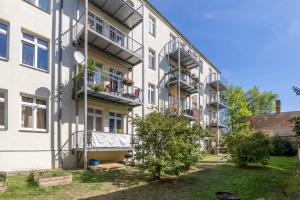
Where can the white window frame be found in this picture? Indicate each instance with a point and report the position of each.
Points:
(151, 90)
(152, 26)
(34, 107)
(95, 115)
(4, 100)
(36, 4)
(152, 59)
(116, 118)
(6, 33)
(36, 46)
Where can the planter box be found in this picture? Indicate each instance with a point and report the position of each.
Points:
(60, 180)
(3, 186)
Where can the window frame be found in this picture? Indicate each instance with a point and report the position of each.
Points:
(4, 100)
(152, 25)
(152, 53)
(36, 4)
(35, 44)
(95, 115)
(115, 118)
(7, 39)
(151, 90)
(34, 107)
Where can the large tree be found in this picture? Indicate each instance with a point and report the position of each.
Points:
(169, 145)
(238, 107)
(260, 103)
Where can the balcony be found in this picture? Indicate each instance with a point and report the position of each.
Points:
(186, 111)
(127, 12)
(101, 141)
(221, 103)
(219, 84)
(188, 82)
(188, 57)
(108, 39)
(215, 123)
(110, 88)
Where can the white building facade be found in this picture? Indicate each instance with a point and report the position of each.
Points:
(137, 60)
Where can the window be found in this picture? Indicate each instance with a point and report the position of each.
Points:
(3, 105)
(34, 52)
(152, 25)
(115, 123)
(151, 93)
(3, 41)
(152, 56)
(95, 120)
(34, 113)
(195, 102)
(42, 4)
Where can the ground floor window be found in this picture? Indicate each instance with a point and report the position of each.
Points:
(34, 113)
(115, 123)
(2, 110)
(95, 120)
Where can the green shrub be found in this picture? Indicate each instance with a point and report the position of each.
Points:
(99, 87)
(282, 147)
(2, 176)
(246, 146)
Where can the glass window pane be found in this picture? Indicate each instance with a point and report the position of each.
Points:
(3, 41)
(119, 115)
(27, 99)
(90, 123)
(2, 95)
(99, 126)
(43, 43)
(90, 110)
(41, 118)
(27, 54)
(41, 102)
(112, 125)
(27, 117)
(28, 37)
(44, 5)
(98, 112)
(2, 114)
(119, 126)
(42, 62)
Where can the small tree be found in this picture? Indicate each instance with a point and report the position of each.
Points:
(246, 146)
(169, 145)
(296, 120)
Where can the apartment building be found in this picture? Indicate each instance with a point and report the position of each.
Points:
(136, 60)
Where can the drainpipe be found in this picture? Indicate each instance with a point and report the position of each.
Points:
(59, 85)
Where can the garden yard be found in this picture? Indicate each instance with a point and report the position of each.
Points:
(280, 179)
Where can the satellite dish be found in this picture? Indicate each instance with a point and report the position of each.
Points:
(79, 57)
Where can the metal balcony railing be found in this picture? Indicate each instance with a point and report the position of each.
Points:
(214, 99)
(110, 32)
(173, 109)
(216, 122)
(107, 82)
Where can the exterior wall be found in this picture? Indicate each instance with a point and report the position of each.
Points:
(21, 150)
(17, 79)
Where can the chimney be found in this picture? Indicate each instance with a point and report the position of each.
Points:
(278, 106)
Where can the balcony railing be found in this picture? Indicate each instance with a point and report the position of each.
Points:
(214, 122)
(188, 78)
(173, 109)
(217, 82)
(109, 33)
(112, 84)
(214, 99)
(102, 140)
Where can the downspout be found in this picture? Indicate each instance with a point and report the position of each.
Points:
(59, 85)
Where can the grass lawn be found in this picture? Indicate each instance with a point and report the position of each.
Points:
(279, 180)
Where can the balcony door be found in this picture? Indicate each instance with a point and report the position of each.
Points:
(95, 120)
(115, 82)
(115, 123)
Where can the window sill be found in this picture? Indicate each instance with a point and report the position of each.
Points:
(3, 128)
(31, 67)
(4, 59)
(33, 130)
(153, 34)
(46, 11)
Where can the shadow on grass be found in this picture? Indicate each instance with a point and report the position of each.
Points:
(120, 178)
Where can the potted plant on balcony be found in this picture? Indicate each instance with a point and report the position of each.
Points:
(128, 82)
(98, 87)
(3, 183)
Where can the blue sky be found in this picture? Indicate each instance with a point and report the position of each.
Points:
(253, 42)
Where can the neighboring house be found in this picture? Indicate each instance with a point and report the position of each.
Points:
(275, 124)
(42, 108)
